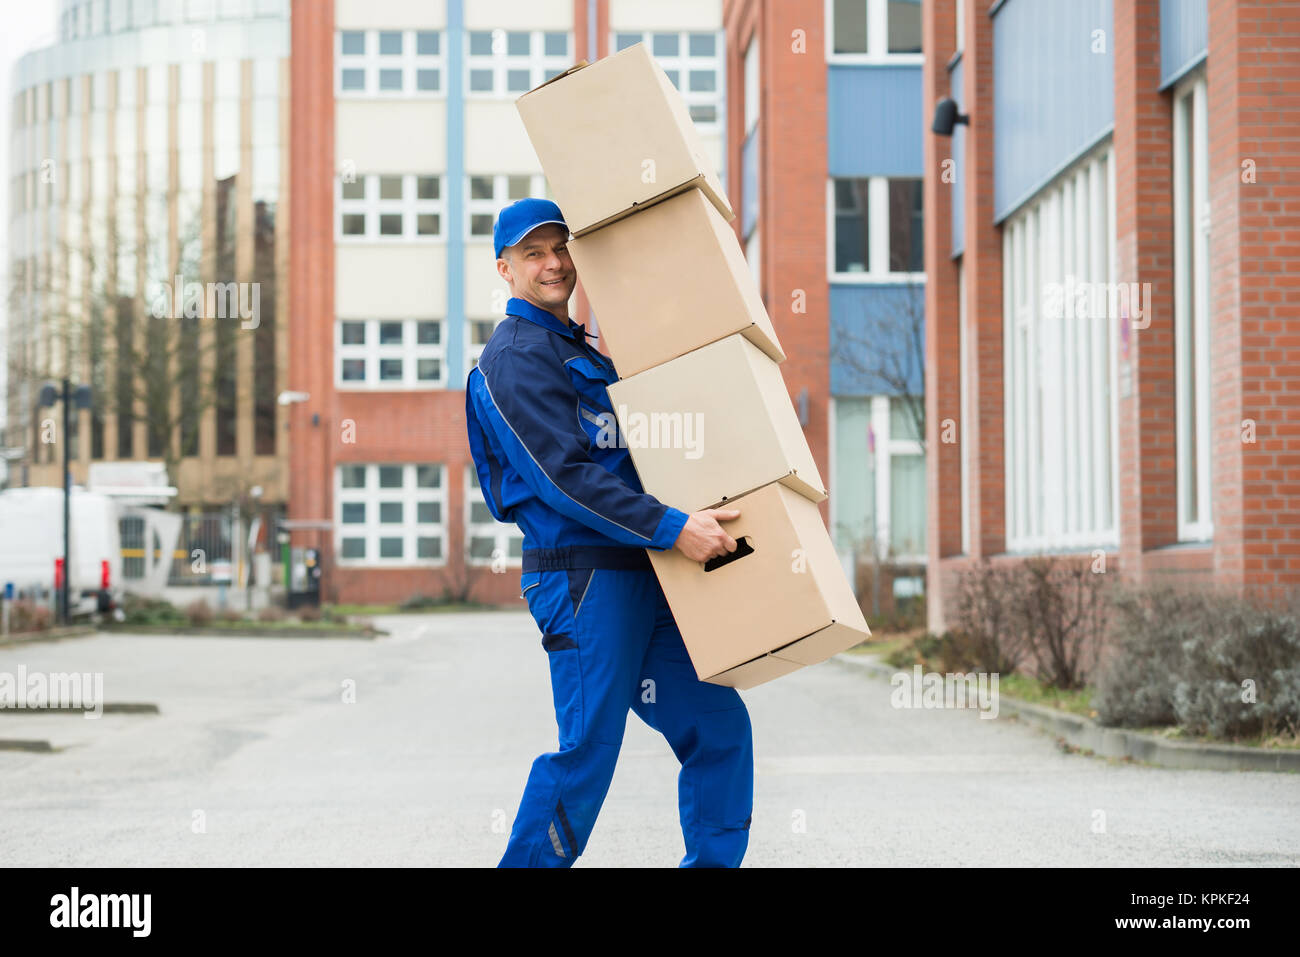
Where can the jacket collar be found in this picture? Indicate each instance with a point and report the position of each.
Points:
(547, 320)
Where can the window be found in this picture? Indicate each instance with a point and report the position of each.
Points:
(487, 539)
(877, 227)
(390, 207)
(390, 514)
(389, 354)
(510, 63)
(480, 330)
(693, 62)
(874, 28)
(488, 194)
(751, 87)
(880, 475)
(389, 62)
(1060, 420)
(1191, 309)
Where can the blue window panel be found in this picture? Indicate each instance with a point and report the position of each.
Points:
(1053, 97)
(1184, 37)
(871, 326)
(874, 121)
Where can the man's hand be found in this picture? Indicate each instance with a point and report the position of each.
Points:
(703, 538)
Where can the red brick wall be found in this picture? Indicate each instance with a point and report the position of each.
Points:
(311, 268)
(1254, 114)
(792, 188)
(982, 269)
(942, 360)
(1144, 221)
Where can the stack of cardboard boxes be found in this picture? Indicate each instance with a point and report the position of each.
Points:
(701, 403)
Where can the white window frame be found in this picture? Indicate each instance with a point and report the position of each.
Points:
(501, 533)
(877, 39)
(753, 98)
(540, 67)
(372, 530)
(683, 63)
(410, 351)
(878, 235)
(960, 43)
(1061, 382)
(882, 425)
(1191, 309)
(372, 206)
(964, 384)
(372, 61)
(537, 186)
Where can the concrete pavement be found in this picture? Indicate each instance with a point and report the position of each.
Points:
(256, 758)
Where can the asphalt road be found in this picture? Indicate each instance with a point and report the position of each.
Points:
(257, 759)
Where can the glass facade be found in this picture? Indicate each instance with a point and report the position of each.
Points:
(147, 153)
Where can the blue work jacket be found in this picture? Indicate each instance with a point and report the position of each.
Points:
(545, 440)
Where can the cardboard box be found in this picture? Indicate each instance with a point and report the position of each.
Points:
(713, 425)
(614, 136)
(670, 279)
(781, 605)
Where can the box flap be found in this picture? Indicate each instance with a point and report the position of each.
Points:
(573, 69)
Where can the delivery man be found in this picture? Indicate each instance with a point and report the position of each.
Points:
(539, 424)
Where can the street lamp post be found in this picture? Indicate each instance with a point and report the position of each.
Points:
(49, 396)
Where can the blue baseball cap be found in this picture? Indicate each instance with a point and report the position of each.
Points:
(523, 216)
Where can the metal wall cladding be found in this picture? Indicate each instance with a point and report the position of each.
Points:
(1184, 37)
(874, 120)
(1053, 91)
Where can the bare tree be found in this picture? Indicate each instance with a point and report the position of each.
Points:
(164, 370)
(885, 347)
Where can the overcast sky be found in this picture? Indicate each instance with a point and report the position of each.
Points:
(27, 26)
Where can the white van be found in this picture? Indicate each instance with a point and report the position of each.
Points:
(31, 538)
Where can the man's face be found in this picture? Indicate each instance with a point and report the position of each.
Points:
(539, 270)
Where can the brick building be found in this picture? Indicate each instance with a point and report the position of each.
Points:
(1113, 312)
(404, 143)
(825, 129)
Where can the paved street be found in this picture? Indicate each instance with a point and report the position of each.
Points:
(427, 767)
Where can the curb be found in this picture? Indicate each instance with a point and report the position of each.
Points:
(1084, 733)
(52, 634)
(189, 631)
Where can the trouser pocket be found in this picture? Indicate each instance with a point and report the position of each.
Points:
(566, 686)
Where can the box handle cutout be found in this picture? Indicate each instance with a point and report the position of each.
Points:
(743, 548)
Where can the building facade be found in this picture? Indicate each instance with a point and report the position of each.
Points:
(825, 129)
(1113, 326)
(148, 242)
(405, 142)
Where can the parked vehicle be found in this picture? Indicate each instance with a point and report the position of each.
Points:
(31, 539)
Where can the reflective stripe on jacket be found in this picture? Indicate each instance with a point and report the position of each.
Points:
(545, 441)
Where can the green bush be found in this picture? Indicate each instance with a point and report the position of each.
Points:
(1213, 663)
(139, 610)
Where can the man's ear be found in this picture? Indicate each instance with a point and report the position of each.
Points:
(504, 271)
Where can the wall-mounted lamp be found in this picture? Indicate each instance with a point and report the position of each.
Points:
(946, 117)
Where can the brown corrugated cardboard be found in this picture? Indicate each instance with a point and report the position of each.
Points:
(782, 605)
(615, 136)
(668, 280)
(712, 425)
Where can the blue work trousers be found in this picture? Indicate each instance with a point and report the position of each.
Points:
(612, 645)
